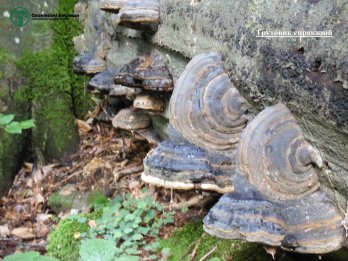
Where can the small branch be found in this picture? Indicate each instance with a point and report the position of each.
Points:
(208, 254)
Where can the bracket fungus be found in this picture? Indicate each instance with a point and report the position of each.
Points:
(276, 158)
(131, 119)
(182, 165)
(86, 63)
(149, 103)
(149, 72)
(104, 83)
(135, 14)
(206, 107)
(311, 224)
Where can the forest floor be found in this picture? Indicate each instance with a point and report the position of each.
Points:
(108, 160)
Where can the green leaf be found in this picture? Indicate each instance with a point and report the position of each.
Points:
(6, 119)
(137, 237)
(29, 256)
(28, 124)
(149, 215)
(14, 128)
(97, 249)
(184, 209)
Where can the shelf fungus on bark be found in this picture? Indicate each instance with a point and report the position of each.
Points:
(135, 14)
(149, 103)
(149, 72)
(182, 165)
(206, 107)
(131, 119)
(311, 224)
(104, 83)
(86, 63)
(275, 157)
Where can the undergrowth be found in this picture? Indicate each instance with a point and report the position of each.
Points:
(192, 239)
(125, 228)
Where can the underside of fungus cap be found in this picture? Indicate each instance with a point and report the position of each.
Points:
(148, 72)
(275, 157)
(135, 14)
(182, 165)
(311, 224)
(86, 63)
(206, 107)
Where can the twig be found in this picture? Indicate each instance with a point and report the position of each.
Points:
(193, 254)
(208, 254)
(68, 178)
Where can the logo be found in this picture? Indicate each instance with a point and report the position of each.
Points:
(19, 16)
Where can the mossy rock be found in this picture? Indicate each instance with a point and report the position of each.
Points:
(183, 241)
(60, 203)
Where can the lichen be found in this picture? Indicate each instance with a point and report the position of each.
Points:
(183, 240)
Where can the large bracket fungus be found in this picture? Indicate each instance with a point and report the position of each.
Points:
(275, 157)
(208, 115)
(276, 199)
(311, 224)
(179, 164)
(206, 107)
(135, 14)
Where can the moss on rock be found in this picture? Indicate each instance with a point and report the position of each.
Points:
(183, 240)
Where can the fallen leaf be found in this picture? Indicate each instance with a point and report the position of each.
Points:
(83, 126)
(23, 232)
(92, 224)
(4, 231)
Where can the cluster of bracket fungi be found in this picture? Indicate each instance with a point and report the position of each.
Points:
(267, 171)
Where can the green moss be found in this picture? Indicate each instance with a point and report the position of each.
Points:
(59, 203)
(96, 199)
(181, 242)
(62, 243)
(55, 91)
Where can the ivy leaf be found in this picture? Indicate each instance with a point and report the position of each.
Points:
(6, 119)
(28, 124)
(14, 128)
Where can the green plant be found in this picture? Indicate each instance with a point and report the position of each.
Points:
(29, 256)
(131, 224)
(183, 240)
(14, 127)
(61, 242)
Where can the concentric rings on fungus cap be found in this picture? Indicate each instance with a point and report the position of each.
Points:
(276, 158)
(206, 107)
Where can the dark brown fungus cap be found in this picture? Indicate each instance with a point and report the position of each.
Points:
(275, 157)
(87, 64)
(182, 165)
(149, 72)
(311, 224)
(131, 119)
(135, 14)
(102, 82)
(149, 103)
(206, 107)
